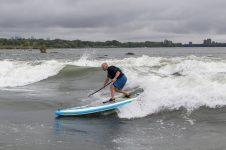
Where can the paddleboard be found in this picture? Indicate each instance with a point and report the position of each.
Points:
(100, 107)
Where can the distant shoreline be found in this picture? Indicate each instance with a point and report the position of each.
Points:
(59, 43)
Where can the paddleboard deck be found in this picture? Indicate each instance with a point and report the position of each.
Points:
(100, 107)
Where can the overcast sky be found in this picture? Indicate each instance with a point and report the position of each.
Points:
(123, 20)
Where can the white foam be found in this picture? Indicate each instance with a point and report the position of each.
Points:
(198, 85)
(19, 73)
(86, 61)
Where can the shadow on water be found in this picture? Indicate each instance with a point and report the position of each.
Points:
(88, 132)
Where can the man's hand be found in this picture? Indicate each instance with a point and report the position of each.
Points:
(106, 81)
(113, 80)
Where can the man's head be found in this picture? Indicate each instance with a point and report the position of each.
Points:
(104, 66)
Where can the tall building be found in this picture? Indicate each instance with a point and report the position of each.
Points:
(207, 42)
(168, 43)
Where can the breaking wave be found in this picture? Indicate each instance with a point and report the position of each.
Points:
(169, 83)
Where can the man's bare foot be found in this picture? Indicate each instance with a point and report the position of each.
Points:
(127, 96)
(110, 100)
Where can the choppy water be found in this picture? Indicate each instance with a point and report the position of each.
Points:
(182, 107)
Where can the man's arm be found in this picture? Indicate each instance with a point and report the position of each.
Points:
(106, 81)
(116, 76)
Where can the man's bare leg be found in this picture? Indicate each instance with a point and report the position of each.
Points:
(113, 89)
(122, 91)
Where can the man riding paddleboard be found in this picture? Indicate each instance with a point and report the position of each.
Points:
(118, 79)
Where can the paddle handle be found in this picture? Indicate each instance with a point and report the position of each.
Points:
(99, 89)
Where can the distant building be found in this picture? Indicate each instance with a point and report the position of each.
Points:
(168, 43)
(207, 42)
(190, 43)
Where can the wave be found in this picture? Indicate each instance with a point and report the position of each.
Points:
(169, 83)
(20, 73)
(174, 83)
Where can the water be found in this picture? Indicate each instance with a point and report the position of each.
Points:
(183, 106)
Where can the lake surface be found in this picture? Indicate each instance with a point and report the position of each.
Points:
(183, 106)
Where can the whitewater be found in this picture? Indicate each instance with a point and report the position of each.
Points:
(169, 83)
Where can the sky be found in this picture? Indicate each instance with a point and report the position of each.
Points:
(122, 20)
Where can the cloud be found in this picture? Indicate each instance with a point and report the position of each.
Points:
(114, 19)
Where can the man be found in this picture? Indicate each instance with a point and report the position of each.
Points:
(118, 79)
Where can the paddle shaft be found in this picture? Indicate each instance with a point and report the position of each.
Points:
(100, 89)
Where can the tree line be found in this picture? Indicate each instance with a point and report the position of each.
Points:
(59, 43)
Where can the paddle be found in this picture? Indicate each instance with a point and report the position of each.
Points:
(100, 89)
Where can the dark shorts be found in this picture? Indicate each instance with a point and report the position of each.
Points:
(120, 83)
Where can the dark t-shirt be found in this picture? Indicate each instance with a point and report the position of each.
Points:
(112, 70)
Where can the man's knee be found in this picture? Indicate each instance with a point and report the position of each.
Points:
(117, 90)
